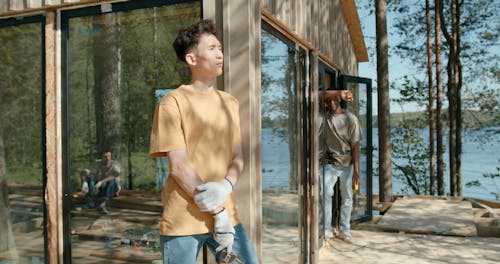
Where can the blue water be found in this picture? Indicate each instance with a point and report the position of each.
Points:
(477, 159)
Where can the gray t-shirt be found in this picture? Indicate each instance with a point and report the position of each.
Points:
(341, 131)
(101, 171)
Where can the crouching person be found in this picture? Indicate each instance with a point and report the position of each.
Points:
(102, 182)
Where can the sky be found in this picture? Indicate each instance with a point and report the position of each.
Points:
(397, 67)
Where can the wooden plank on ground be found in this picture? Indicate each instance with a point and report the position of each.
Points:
(126, 257)
(137, 203)
(430, 216)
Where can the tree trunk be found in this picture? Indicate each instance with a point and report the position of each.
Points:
(454, 98)
(454, 86)
(457, 83)
(107, 73)
(291, 86)
(384, 122)
(432, 158)
(439, 101)
(7, 242)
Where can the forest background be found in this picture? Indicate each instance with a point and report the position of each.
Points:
(425, 55)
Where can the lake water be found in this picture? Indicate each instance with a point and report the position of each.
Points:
(477, 159)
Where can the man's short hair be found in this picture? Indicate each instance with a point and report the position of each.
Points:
(188, 38)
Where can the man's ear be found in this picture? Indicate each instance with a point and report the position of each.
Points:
(190, 59)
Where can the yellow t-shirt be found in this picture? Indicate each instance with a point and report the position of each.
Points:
(207, 126)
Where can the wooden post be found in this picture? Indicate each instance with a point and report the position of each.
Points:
(53, 189)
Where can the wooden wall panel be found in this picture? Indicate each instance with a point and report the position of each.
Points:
(241, 30)
(326, 25)
(21, 7)
(33, 3)
(3, 6)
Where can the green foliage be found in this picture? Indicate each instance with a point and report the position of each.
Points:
(410, 151)
(147, 62)
(21, 102)
(410, 158)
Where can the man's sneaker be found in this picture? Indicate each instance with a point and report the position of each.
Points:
(346, 237)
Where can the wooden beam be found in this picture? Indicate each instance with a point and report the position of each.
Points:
(354, 27)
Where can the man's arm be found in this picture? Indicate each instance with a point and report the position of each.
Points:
(114, 175)
(182, 172)
(234, 171)
(326, 95)
(356, 180)
(212, 195)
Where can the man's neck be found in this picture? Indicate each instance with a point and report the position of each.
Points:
(202, 85)
(339, 111)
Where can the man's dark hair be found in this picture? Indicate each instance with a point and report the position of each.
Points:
(189, 37)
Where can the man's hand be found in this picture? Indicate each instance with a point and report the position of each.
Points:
(356, 181)
(223, 231)
(212, 195)
(97, 186)
(346, 95)
(118, 182)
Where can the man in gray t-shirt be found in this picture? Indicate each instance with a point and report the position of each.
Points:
(102, 182)
(340, 156)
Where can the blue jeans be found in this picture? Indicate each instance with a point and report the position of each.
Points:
(331, 175)
(107, 191)
(185, 249)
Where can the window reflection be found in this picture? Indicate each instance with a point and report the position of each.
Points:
(21, 138)
(280, 199)
(119, 65)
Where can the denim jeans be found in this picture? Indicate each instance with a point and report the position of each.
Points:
(329, 175)
(107, 191)
(185, 249)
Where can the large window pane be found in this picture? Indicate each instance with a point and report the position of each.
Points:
(21, 139)
(359, 107)
(280, 197)
(326, 82)
(120, 63)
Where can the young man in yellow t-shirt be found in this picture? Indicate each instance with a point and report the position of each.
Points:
(197, 127)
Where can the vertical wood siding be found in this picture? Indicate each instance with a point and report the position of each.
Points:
(27, 5)
(321, 23)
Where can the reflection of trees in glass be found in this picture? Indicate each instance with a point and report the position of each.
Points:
(20, 116)
(116, 62)
(107, 71)
(279, 98)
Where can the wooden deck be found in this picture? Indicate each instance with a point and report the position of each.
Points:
(129, 234)
(423, 229)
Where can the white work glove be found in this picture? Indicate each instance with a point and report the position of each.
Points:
(223, 231)
(85, 187)
(212, 195)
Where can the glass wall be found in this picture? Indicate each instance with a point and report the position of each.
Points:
(361, 107)
(280, 151)
(120, 62)
(327, 80)
(22, 173)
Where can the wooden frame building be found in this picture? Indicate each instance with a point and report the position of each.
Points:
(319, 44)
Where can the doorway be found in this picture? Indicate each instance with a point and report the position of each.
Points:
(361, 107)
